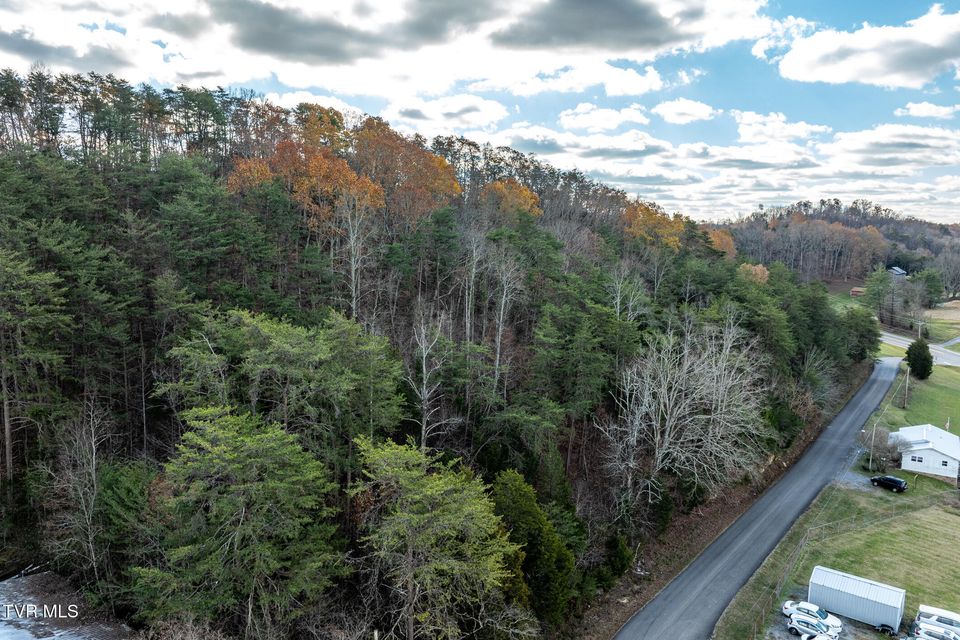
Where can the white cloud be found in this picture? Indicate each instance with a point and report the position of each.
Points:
(782, 33)
(900, 146)
(684, 111)
(685, 77)
(774, 160)
(444, 115)
(755, 127)
(928, 110)
(593, 118)
(576, 78)
(908, 56)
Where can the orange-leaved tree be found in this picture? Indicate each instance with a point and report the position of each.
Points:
(337, 203)
(648, 221)
(754, 273)
(415, 182)
(314, 178)
(321, 127)
(722, 240)
(508, 199)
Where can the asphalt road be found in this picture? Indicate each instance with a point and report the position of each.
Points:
(940, 355)
(689, 607)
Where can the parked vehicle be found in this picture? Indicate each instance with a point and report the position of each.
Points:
(819, 636)
(893, 483)
(933, 632)
(939, 618)
(813, 611)
(799, 625)
(856, 598)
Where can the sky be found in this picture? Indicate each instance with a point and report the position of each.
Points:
(708, 107)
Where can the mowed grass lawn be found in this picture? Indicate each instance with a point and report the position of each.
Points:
(943, 329)
(932, 401)
(889, 350)
(916, 552)
(842, 300)
(944, 321)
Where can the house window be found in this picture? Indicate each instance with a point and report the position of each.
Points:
(944, 463)
(916, 458)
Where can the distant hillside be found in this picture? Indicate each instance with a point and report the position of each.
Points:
(833, 240)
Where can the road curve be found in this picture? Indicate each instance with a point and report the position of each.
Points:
(940, 355)
(688, 608)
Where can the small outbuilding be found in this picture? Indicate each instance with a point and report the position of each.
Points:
(897, 272)
(857, 598)
(858, 292)
(929, 450)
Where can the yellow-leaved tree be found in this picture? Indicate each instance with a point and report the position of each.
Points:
(648, 221)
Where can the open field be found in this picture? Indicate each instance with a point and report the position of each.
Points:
(944, 321)
(931, 401)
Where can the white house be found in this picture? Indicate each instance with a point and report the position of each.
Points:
(929, 450)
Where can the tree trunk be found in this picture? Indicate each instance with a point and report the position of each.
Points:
(7, 430)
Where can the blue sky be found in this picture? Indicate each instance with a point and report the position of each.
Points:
(709, 107)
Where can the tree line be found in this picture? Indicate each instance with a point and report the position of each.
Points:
(836, 241)
(304, 376)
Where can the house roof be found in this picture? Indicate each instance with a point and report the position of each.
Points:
(876, 591)
(897, 271)
(927, 436)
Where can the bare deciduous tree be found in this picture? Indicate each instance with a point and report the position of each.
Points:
(948, 263)
(508, 279)
(72, 482)
(627, 297)
(353, 213)
(429, 354)
(655, 264)
(474, 241)
(882, 449)
(690, 406)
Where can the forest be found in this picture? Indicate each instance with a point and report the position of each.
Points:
(271, 373)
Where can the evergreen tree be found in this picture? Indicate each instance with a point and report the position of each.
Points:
(548, 565)
(249, 539)
(435, 536)
(920, 359)
(862, 334)
(32, 318)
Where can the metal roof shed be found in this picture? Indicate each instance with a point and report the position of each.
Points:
(857, 598)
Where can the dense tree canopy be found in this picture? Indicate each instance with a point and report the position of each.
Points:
(308, 373)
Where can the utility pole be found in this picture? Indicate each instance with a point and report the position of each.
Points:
(906, 393)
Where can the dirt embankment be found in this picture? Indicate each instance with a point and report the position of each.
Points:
(688, 534)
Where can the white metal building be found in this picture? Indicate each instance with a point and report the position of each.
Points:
(929, 450)
(857, 598)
